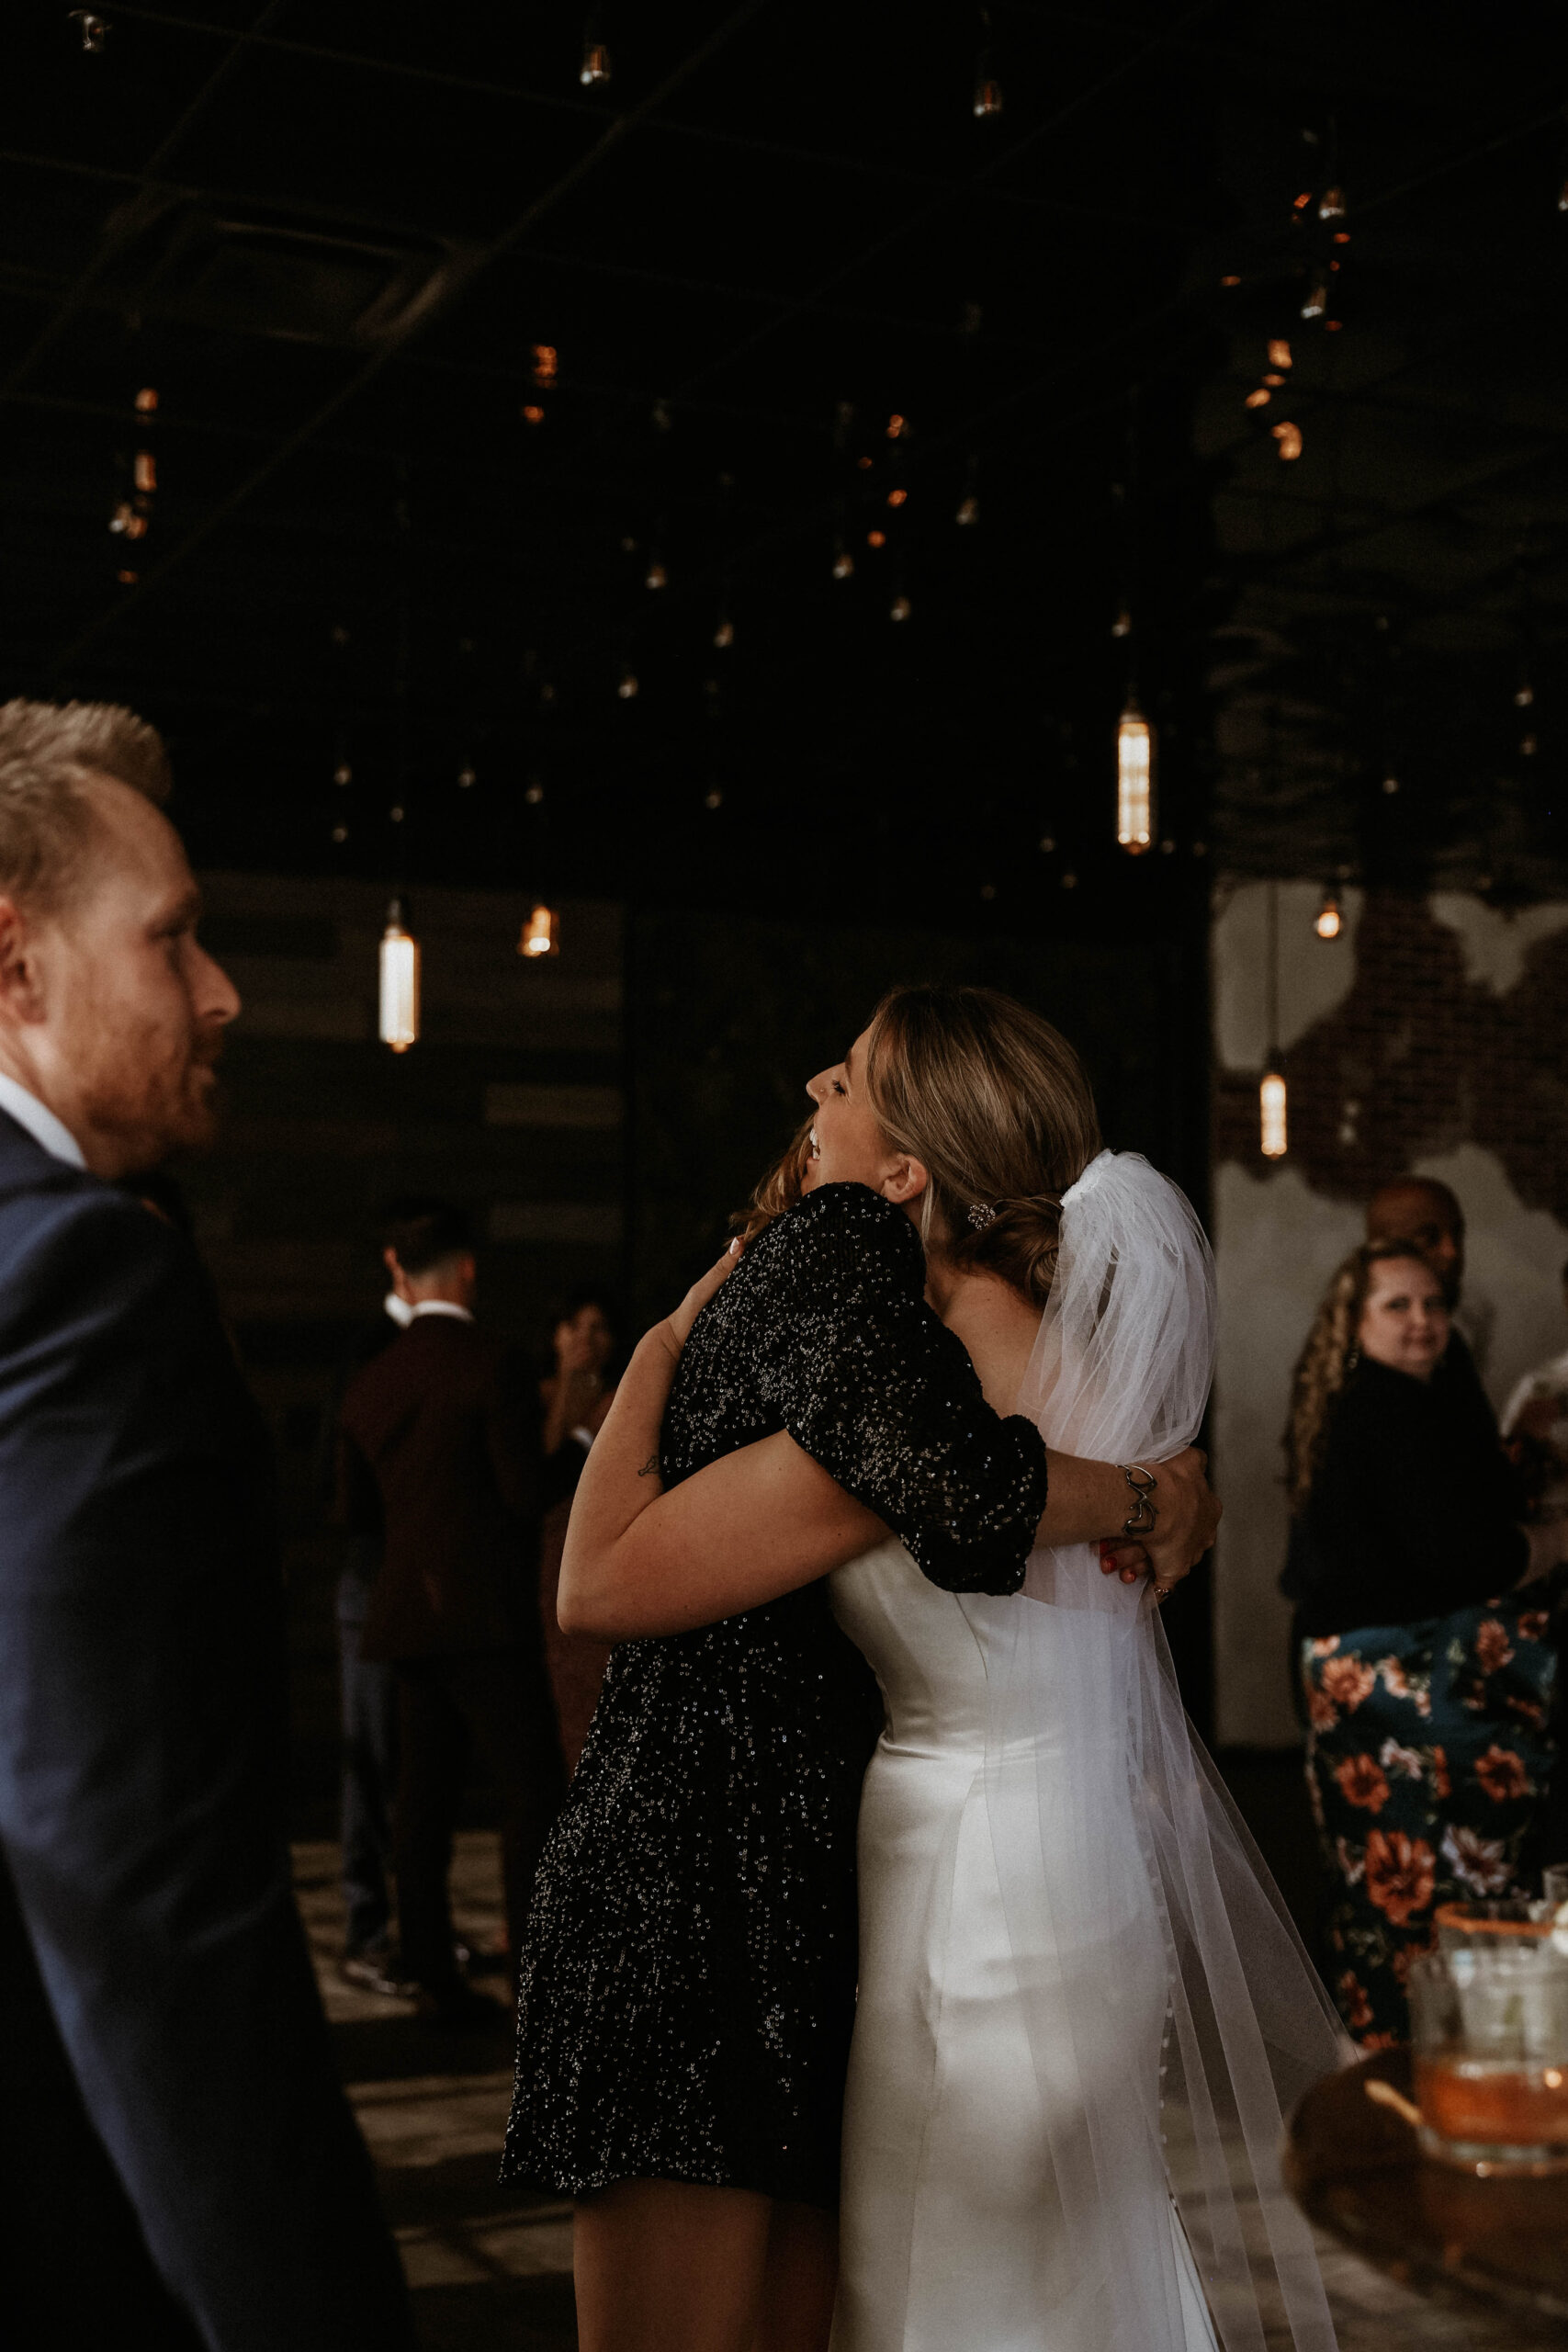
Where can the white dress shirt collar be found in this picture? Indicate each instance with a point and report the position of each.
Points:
(399, 1310)
(40, 1123)
(440, 1307)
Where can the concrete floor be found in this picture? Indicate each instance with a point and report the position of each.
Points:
(491, 2269)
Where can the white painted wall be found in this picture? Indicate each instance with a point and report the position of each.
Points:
(1277, 1242)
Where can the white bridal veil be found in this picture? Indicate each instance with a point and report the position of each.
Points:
(1174, 2016)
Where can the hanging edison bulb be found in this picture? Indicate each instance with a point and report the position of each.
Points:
(147, 401)
(1271, 1123)
(399, 981)
(656, 576)
(900, 609)
(1279, 352)
(724, 635)
(1288, 438)
(1330, 919)
(843, 562)
(595, 66)
(1134, 781)
(541, 932)
(1331, 205)
(968, 510)
(988, 94)
(626, 689)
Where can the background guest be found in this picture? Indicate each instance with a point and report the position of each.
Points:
(575, 1397)
(368, 1694)
(1535, 1429)
(181, 2167)
(439, 1462)
(1428, 1742)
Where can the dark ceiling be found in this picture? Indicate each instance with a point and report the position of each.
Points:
(454, 355)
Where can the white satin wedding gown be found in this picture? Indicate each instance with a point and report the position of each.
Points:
(1073, 1967)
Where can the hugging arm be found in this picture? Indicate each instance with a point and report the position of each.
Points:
(758, 1523)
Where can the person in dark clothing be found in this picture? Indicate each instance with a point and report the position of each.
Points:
(367, 1692)
(574, 1397)
(1427, 1680)
(439, 1463)
(180, 2166)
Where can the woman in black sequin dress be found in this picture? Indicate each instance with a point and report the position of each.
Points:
(688, 1978)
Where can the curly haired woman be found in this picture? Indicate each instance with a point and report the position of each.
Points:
(1427, 1696)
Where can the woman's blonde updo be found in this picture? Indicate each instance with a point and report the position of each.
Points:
(1326, 1362)
(994, 1105)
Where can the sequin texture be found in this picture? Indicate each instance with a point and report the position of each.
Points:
(688, 1975)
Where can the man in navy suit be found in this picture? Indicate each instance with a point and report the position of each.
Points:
(179, 2165)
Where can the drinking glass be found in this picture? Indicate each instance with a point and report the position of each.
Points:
(1489, 2022)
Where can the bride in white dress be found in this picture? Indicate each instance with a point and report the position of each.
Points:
(1082, 2010)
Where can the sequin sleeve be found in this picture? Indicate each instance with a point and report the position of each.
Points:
(875, 1387)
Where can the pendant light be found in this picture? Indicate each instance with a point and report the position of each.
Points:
(1330, 918)
(1272, 1128)
(541, 932)
(399, 981)
(1134, 780)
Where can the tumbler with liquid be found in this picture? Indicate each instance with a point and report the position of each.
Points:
(1489, 2022)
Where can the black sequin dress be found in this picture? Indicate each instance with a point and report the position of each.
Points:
(688, 1973)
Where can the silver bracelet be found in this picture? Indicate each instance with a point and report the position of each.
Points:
(1140, 1520)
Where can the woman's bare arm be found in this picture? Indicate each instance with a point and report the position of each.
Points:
(767, 1519)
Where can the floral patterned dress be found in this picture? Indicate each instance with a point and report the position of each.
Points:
(1428, 1747)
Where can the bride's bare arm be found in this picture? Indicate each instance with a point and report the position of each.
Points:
(767, 1519)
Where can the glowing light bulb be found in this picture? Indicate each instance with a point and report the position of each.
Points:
(146, 473)
(147, 401)
(466, 778)
(1524, 696)
(1316, 299)
(1122, 625)
(987, 97)
(399, 982)
(1271, 1123)
(534, 792)
(1331, 204)
(343, 773)
(1134, 781)
(724, 635)
(595, 67)
(898, 497)
(1562, 198)
(714, 800)
(627, 686)
(545, 361)
(541, 933)
(897, 427)
(1279, 352)
(657, 577)
(1329, 921)
(900, 609)
(876, 539)
(1259, 399)
(1288, 438)
(843, 562)
(532, 414)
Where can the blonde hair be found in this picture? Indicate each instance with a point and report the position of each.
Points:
(1326, 1362)
(49, 753)
(994, 1104)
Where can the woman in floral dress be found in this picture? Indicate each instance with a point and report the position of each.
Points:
(1427, 1679)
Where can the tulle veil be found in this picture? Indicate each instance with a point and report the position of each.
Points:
(1125, 1871)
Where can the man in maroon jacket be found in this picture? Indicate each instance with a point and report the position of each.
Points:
(439, 1456)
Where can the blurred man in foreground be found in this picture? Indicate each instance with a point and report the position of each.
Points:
(180, 2164)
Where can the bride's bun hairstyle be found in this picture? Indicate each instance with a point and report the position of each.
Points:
(995, 1105)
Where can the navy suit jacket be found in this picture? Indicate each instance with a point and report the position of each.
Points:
(142, 1776)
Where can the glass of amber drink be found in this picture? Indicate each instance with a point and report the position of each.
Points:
(1489, 2021)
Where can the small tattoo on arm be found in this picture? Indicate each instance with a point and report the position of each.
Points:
(650, 1467)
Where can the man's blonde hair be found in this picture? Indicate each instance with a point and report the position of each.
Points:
(50, 753)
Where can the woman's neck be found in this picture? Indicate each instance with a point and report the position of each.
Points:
(997, 1326)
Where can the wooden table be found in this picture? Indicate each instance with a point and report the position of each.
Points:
(1354, 2167)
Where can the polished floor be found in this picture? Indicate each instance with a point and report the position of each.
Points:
(491, 2270)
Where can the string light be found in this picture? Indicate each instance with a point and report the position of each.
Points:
(399, 981)
(900, 609)
(1134, 781)
(724, 635)
(897, 427)
(876, 539)
(968, 510)
(532, 414)
(1289, 437)
(1317, 299)
(546, 363)
(1329, 921)
(1122, 625)
(466, 778)
(713, 798)
(843, 562)
(147, 401)
(541, 933)
(342, 774)
(534, 792)
(1523, 694)
(627, 686)
(1273, 1131)
(656, 577)
(898, 497)
(1331, 204)
(1259, 399)
(94, 30)
(146, 471)
(987, 99)
(1279, 352)
(595, 67)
